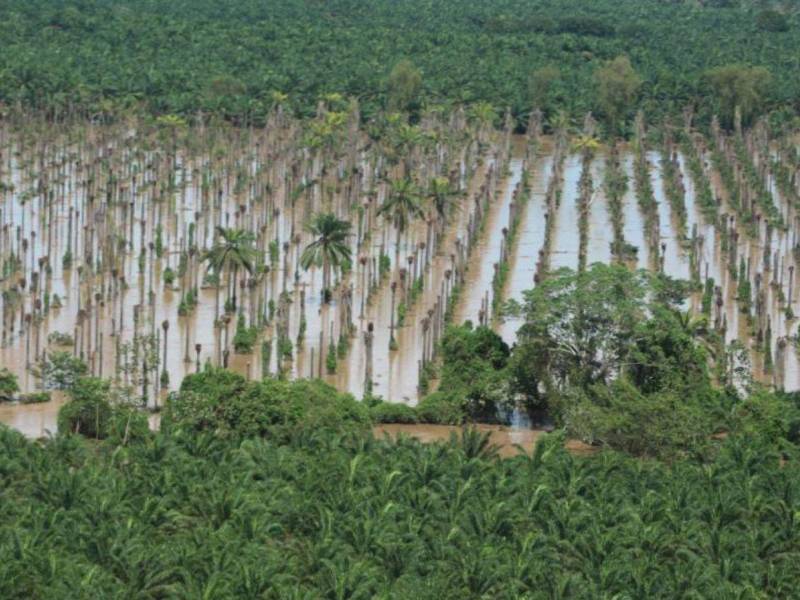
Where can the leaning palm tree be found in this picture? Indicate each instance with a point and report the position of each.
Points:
(329, 248)
(403, 204)
(233, 250)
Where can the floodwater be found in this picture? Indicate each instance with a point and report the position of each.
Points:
(129, 215)
(32, 420)
(509, 442)
(566, 240)
(478, 293)
(528, 243)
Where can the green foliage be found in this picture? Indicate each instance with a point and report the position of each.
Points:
(403, 87)
(222, 401)
(244, 340)
(330, 359)
(609, 357)
(66, 260)
(58, 338)
(90, 413)
(60, 370)
(579, 325)
(444, 408)
(772, 21)
(661, 424)
(8, 384)
(34, 398)
(169, 277)
(329, 247)
(473, 381)
(393, 412)
(194, 515)
(617, 87)
(739, 86)
(384, 265)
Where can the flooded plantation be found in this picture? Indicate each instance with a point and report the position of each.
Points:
(150, 250)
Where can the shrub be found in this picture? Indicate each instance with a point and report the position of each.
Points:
(225, 402)
(35, 398)
(245, 338)
(60, 370)
(8, 384)
(392, 412)
(58, 338)
(658, 425)
(88, 411)
(442, 408)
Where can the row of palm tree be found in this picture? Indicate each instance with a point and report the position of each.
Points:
(202, 516)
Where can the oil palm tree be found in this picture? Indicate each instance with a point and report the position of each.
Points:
(403, 204)
(442, 197)
(233, 250)
(329, 248)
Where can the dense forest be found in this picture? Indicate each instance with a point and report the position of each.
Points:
(234, 58)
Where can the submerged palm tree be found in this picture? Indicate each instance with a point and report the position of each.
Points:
(442, 197)
(233, 250)
(329, 249)
(403, 204)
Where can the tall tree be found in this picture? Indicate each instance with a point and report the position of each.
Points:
(403, 87)
(232, 251)
(402, 205)
(617, 87)
(739, 86)
(442, 197)
(330, 248)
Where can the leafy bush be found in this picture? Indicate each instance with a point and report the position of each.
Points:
(90, 413)
(473, 373)
(393, 412)
(225, 402)
(60, 370)
(245, 338)
(443, 408)
(35, 398)
(58, 338)
(8, 384)
(660, 425)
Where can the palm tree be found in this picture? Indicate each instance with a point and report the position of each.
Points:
(234, 250)
(442, 197)
(329, 247)
(402, 204)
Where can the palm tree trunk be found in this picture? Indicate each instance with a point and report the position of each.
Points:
(235, 285)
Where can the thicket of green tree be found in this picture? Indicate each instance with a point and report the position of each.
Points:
(611, 356)
(313, 513)
(237, 57)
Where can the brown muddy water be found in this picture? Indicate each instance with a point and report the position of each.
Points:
(40, 420)
(109, 199)
(509, 442)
